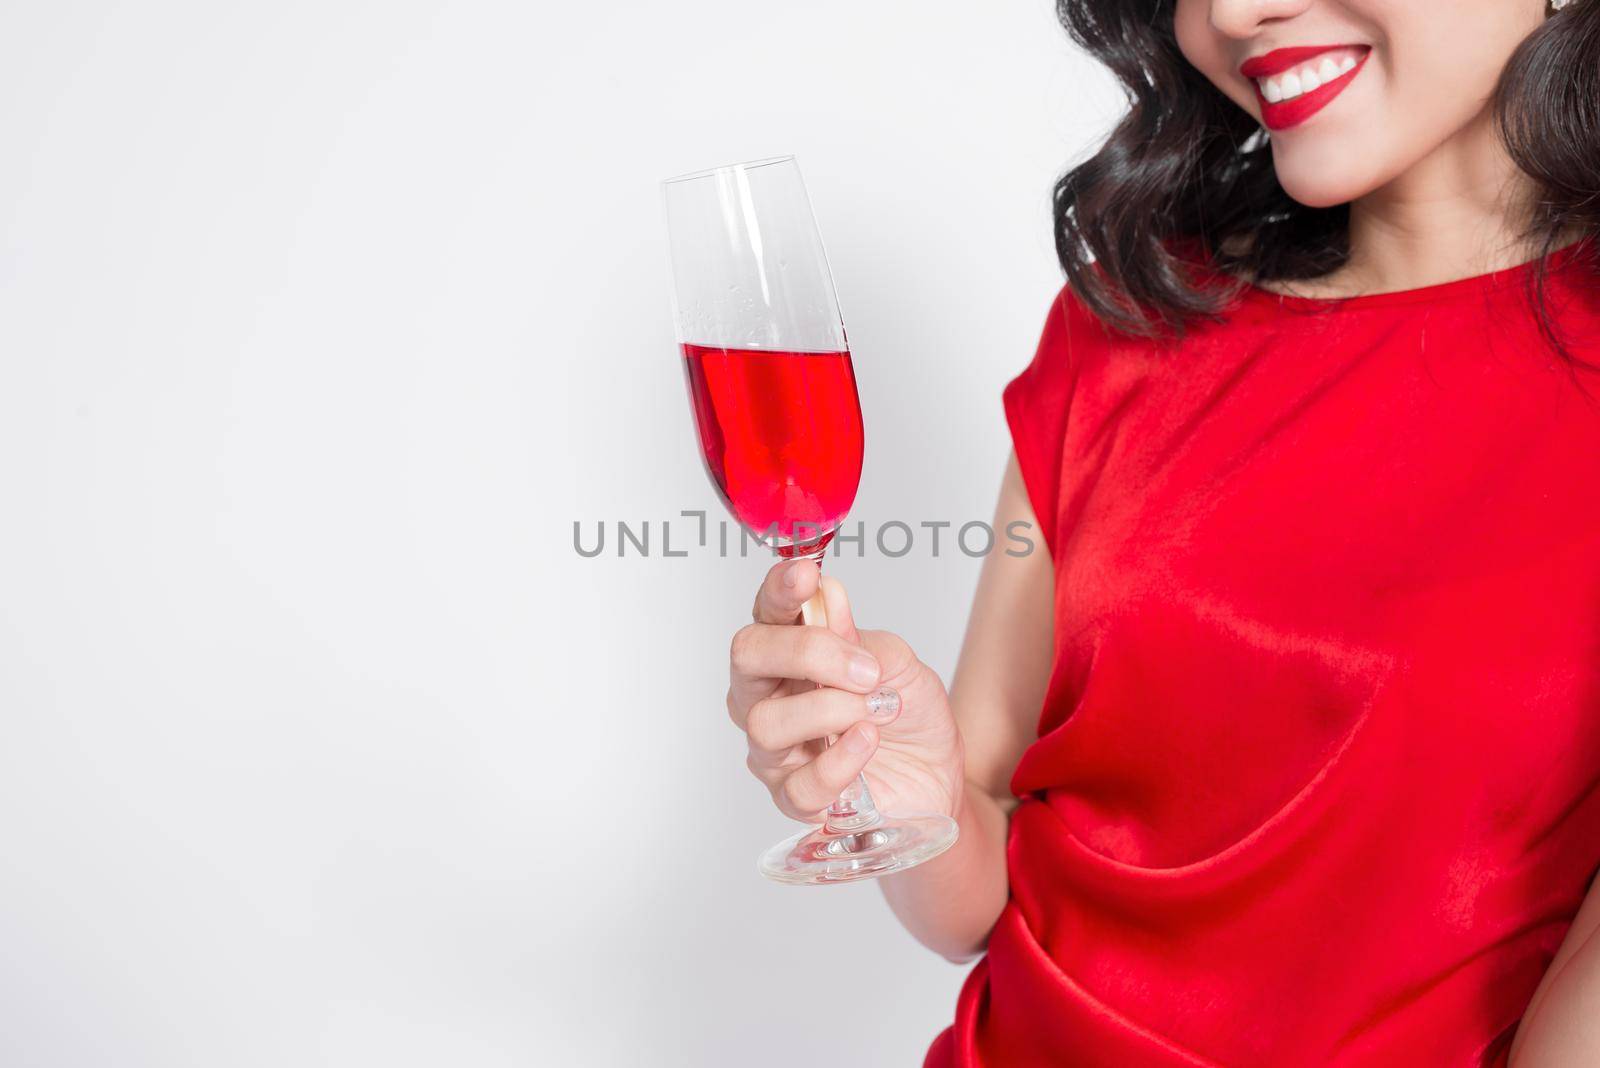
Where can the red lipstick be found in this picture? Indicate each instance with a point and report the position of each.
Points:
(1297, 109)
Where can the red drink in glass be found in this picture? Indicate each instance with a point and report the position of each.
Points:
(781, 436)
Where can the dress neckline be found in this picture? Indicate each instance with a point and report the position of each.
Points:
(1557, 260)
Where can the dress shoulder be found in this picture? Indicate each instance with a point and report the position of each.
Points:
(1038, 402)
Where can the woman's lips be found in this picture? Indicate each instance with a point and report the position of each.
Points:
(1303, 79)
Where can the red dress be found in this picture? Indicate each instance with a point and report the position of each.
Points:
(1317, 777)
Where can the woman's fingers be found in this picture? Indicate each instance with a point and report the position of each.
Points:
(762, 652)
(778, 724)
(812, 787)
(848, 701)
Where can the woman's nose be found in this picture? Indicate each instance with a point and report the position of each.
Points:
(1245, 18)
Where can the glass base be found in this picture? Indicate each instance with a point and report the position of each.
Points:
(893, 843)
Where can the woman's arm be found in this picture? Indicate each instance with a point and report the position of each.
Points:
(1561, 1028)
(951, 903)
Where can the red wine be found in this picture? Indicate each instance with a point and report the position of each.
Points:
(781, 436)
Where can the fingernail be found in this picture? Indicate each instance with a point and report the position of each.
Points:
(790, 574)
(883, 704)
(856, 741)
(863, 669)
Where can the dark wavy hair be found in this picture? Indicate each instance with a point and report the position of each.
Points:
(1187, 175)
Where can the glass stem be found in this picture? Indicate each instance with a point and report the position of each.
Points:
(853, 809)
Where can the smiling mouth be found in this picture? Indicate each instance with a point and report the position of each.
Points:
(1292, 84)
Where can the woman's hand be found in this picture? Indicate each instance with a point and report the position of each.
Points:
(888, 708)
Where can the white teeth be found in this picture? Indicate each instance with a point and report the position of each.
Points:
(1313, 75)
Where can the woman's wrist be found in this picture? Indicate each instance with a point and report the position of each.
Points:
(951, 903)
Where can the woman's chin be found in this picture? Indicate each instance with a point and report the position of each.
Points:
(1323, 183)
(1339, 155)
(1318, 194)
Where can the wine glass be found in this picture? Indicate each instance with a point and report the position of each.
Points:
(779, 422)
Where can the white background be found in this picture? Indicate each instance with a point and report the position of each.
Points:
(320, 325)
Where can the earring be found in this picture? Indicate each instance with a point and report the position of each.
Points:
(1557, 5)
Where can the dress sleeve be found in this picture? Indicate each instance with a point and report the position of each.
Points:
(1036, 405)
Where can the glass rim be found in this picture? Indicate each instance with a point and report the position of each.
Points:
(745, 165)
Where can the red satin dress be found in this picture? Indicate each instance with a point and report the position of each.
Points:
(1317, 776)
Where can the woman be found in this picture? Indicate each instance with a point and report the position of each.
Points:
(1286, 752)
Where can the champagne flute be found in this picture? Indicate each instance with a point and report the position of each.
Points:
(774, 396)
